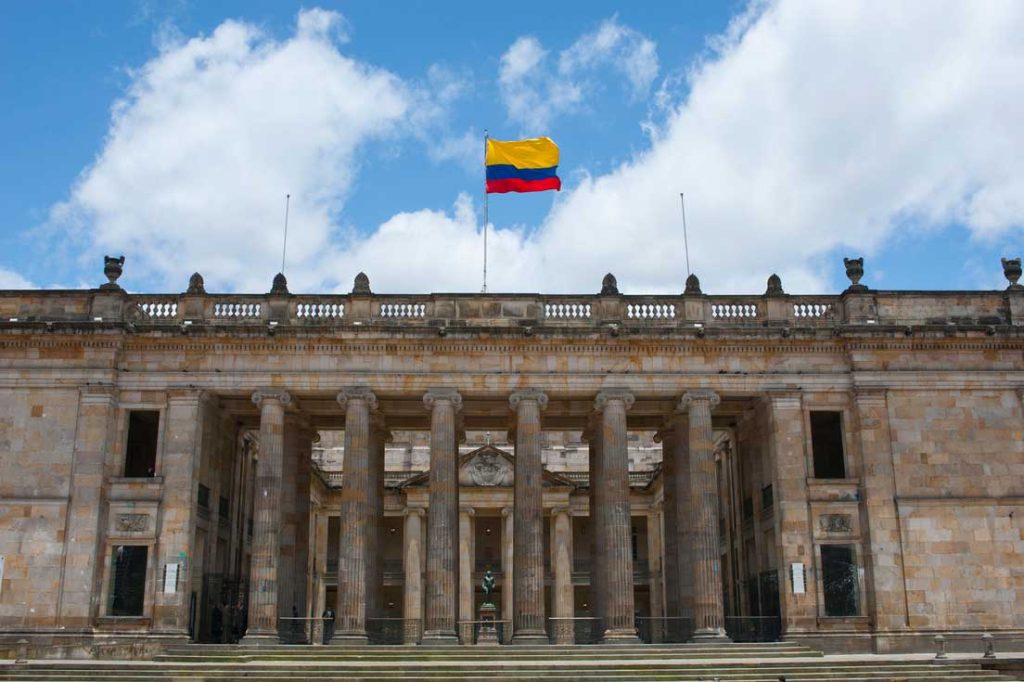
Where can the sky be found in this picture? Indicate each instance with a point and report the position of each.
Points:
(799, 131)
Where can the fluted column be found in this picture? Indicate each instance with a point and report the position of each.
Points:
(619, 625)
(507, 533)
(597, 555)
(355, 516)
(379, 437)
(670, 538)
(708, 609)
(654, 562)
(442, 518)
(412, 563)
(562, 601)
(528, 547)
(266, 548)
(467, 557)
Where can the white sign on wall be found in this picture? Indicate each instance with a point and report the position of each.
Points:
(1, 574)
(797, 569)
(170, 578)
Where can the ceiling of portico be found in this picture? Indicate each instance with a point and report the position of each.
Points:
(563, 413)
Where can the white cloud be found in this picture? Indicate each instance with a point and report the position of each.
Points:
(534, 92)
(212, 134)
(12, 280)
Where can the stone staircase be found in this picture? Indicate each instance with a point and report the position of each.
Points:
(676, 663)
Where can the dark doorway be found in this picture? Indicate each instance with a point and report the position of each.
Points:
(127, 580)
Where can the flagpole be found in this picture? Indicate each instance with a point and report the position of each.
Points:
(686, 245)
(486, 213)
(284, 247)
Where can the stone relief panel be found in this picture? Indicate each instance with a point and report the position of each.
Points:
(136, 520)
(836, 523)
(487, 469)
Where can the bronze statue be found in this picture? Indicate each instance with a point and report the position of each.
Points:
(488, 585)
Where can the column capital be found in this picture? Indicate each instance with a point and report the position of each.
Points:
(700, 395)
(414, 511)
(614, 394)
(656, 507)
(438, 394)
(468, 511)
(278, 394)
(357, 393)
(534, 394)
(506, 512)
(560, 509)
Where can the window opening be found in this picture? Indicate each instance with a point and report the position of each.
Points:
(140, 453)
(127, 580)
(827, 445)
(839, 578)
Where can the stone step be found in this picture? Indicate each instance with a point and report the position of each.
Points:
(693, 676)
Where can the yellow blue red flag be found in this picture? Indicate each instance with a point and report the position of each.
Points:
(522, 165)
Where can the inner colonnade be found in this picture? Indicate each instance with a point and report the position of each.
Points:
(437, 603)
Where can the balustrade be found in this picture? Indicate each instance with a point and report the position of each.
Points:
(567, 311)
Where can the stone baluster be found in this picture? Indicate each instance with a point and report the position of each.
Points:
(562, 601)
(443, 517)
(708, 609)
(412, 559)
(266, 545)
(355, 516)
(619, 625)
(528, 546)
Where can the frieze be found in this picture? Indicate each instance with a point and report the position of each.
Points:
(836, 523)
(133, 523)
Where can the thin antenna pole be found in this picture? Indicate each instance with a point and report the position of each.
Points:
(284, 248)
(686, 244)
(486, 213)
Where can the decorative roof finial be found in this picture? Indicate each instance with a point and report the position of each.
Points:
(609, 286)
(855, 270)
(1012, 271)
(774, 286)
(692, 286)
(280, 286)
(196, 284)
(112, 268)
(361, 285)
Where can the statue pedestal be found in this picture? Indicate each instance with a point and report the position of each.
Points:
(488, 633)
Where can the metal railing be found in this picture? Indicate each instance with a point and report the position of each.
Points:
(753, 628)
(575, 630)
(664, 629)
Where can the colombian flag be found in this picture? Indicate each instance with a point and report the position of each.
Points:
(522, 165)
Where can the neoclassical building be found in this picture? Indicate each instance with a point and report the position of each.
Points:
(842, 470)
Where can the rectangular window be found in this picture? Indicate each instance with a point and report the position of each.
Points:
(827, 444)
(767, 497)
(140, 453)
(203, 497)
(127, 580)
(839, 578)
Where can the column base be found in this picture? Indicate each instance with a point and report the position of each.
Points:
(260, 639)
(620, 636)
(530, 637)
(711, 636)
(439, 638)
(350, 638)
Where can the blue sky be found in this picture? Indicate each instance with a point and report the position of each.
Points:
(801, 132)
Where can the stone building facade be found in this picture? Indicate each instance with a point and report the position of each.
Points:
(844, 470)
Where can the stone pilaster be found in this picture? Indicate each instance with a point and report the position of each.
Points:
(884, 560)
(507, 550)
(467, 557)
(379, 438)
(443, 517)
(654, 563)
(619, 625)
(355, 516)
(795, 544)
(681, 521)
(528, 547)
(94, 435)
(266, 540)
(708, 609)
(412, 562)
(562, 601)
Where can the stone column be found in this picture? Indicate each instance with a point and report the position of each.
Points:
(708, 609)
(528, 546)
(887, 598)
(619, 625)
(321, 520)
(681, 522)
(79, 596)
(562, 598)
(597, 555)
(355, 516)
(379, 437)
(293, 567)
(266, 541)
(670, 537)
(507, 549)
(443, 517)
(412, 562)
(467, 557)
(654, 554)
